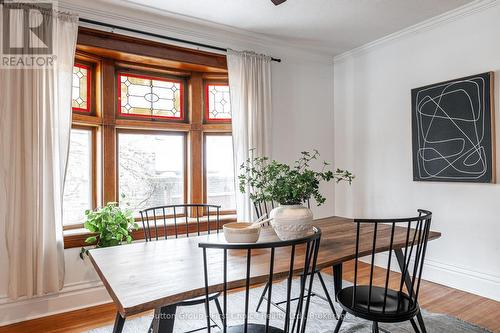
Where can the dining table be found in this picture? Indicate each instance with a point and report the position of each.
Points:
(156, 275)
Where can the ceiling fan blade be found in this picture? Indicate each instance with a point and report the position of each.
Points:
(277, 2)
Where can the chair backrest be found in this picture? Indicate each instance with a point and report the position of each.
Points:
(412, 236)
(262, 208)
(158, 222)
(300, 256)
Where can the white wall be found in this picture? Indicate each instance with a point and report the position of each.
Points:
(372, 111)
(302, 120)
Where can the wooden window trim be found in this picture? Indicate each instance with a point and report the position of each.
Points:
(141, 51)
(205, 186)
(135, 56)
(76, 238)
(93, 171)
(152, 132)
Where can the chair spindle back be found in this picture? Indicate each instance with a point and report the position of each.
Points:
(413, 234)
(305, 249)
(157, 221)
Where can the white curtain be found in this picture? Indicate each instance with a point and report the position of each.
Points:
(35, 124)
(250, 88)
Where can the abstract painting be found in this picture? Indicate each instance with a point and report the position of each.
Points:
(452, 130)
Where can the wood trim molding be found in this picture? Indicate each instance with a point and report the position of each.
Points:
(125, 48)
(76, 238)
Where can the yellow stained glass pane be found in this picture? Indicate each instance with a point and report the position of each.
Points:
(80, 88)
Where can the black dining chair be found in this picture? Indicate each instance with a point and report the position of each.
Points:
(381, 304)
(172, 221)
(301, 255)
(262, 208)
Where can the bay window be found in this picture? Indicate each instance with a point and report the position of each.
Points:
(147, 131)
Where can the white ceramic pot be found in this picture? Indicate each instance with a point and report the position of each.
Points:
(291, 221)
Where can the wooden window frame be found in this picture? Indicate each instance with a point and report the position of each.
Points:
(152, 132)
(110, 54)
(206, 104)
(93, 171)
(205, 185)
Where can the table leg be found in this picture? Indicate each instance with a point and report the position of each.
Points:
(337, 279)
(164, 319)
(401, 262)
(119, 321)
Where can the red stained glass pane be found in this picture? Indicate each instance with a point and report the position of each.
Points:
(80, 94)
(143, 96)
(217, 102)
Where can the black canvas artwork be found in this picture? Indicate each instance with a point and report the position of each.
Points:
(452, 130)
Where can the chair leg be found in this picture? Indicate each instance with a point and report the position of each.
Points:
(262, 297)
(164, 319)
(375, 327)
(337, 279)
(327, 294)
(219, 310)
(339, 322)
(421, 322)
(119, 322)
(414, 325)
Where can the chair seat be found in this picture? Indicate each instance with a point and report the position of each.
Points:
(198, 300)
(252, 328)
(398, 306)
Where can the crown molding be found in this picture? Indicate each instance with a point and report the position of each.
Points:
(430, 24)
(191, 29)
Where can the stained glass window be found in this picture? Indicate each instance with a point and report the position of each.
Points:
(143, 96)
(81, 88)
(218, 104)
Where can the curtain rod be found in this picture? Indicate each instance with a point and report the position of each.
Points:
(112, 26)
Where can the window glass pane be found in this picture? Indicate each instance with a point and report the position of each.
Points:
(219, 171)
(151, 97)
(218, 104)
(81, 88)
(78, 186)
(151, 170)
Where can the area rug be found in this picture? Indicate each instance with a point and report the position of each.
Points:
(321, 320)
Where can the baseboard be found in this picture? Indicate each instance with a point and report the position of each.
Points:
(72, 297)
(461, 278)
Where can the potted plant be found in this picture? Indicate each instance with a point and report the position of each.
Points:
(111, 226)
(290, 186)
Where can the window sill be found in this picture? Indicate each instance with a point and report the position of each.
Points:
(76, 237)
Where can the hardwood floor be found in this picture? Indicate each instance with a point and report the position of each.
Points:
(434, 298)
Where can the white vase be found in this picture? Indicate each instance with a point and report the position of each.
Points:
(291, 221)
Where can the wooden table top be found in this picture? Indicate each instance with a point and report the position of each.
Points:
(143, 276)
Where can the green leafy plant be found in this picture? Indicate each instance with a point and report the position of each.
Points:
(111, 226)
(287, 184)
